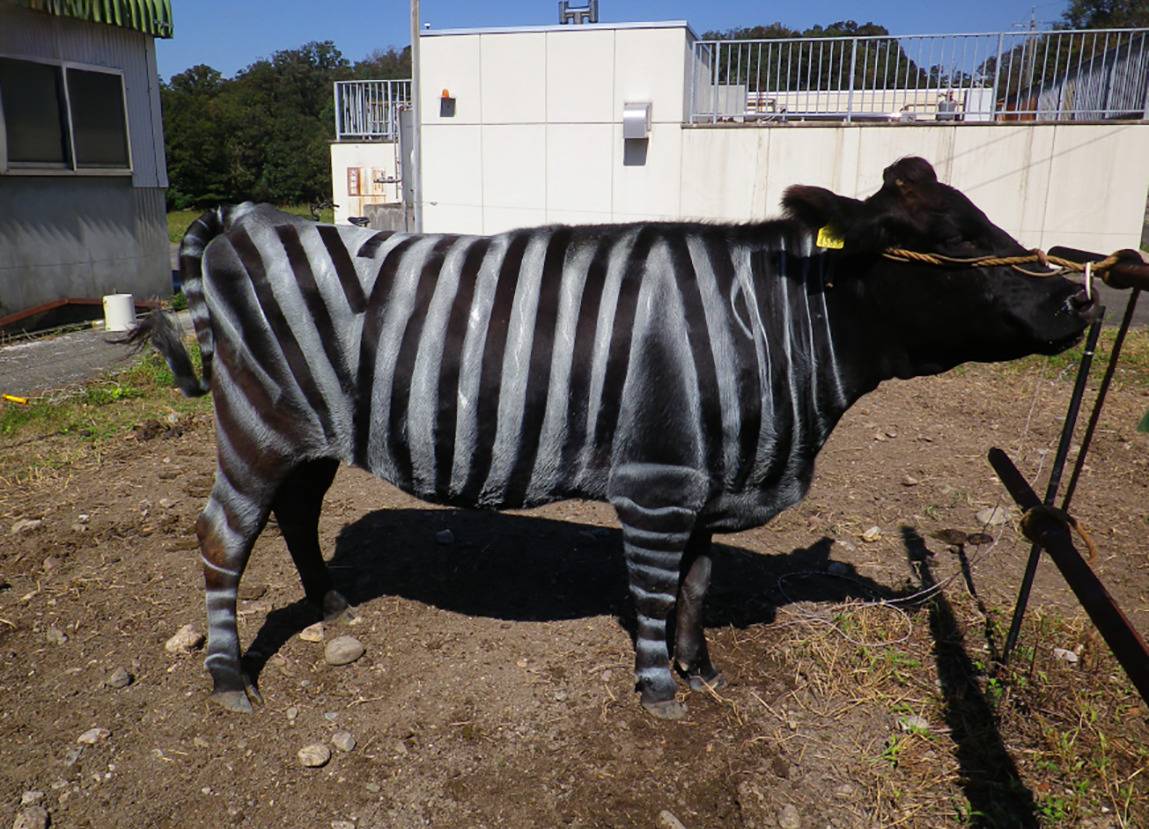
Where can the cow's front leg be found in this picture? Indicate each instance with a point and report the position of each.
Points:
(657, 507)
(690, 651)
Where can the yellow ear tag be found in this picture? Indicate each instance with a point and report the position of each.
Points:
(828, 239)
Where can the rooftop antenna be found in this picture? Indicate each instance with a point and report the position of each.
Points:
(577, 15)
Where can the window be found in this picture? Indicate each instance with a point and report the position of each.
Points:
(33, 99)
(62, 117)
(98, 125)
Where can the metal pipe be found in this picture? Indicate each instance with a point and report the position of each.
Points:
(1054, 480)
(1102, 391)
(850, 96)
(416, 126)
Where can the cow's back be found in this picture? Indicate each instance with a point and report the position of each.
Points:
(491, 371)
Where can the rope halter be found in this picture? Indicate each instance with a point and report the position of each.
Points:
(1016, 262)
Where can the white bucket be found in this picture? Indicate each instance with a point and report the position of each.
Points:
(119, 312)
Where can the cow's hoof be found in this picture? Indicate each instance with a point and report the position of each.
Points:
(232, 701)
(712, 683)
(336, 608)
(667, 709)
(241, 699)
(252, 692)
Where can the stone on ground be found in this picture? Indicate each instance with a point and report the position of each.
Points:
(315, 755)
(185, 640)
(343, 650)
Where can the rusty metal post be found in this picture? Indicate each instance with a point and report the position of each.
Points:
(1053, 535)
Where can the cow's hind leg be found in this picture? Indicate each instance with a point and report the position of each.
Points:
(297, 506)
(657, 507)
(227, 529)
(690, 651)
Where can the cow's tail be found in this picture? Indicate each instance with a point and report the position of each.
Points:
(159, 330)
(163, 334)
(212, 223)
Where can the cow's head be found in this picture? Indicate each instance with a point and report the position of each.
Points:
(940, 316)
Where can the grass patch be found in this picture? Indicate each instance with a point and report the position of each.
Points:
(178, 220)
(50, 433)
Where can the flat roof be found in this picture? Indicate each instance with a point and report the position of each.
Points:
(559, 27)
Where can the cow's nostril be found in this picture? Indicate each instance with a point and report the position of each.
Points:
(1081, 300)
(1086, 307)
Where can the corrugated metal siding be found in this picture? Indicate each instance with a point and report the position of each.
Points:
(30, 34)
(80, 237)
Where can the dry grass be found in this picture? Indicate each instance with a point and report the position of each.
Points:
(932, 713)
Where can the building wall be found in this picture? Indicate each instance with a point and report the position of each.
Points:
(537, 137)
(1081, 185)
(83, 235)
(371, 161)
(537, 131)
(80, 237)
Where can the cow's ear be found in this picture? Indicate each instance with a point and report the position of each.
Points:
(818, 207)
(912, 182)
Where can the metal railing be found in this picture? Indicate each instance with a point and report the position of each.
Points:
(1094, 74)
(369, 110)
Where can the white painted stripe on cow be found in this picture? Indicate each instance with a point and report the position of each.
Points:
(604, 329)
(546, 475)
(467, 435)
(515, 369)
(423, 403)
(395, 319)
(723, 327)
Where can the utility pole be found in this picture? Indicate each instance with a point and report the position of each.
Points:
(416, 131)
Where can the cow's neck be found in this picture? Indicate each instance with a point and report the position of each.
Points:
(823, 351)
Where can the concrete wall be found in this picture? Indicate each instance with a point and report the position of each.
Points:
(370, 161)
(1082, 185)
(78, 234)
(537, 137)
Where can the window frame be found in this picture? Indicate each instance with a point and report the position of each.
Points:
(70, 168)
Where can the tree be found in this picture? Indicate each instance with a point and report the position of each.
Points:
(878, 60)
(1107, 14)
(195, 137)
(263, 134)
(381, 65)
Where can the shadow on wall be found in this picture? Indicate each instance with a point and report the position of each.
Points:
(634, 152)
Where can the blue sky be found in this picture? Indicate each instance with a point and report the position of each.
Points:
(230, 34)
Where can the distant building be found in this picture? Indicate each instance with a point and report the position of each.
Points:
(82, 168)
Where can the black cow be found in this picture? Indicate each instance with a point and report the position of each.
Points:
(686, 373)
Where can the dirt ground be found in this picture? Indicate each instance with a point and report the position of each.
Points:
(496, 687)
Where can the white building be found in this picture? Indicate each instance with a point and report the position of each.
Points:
(524, 126)
(82, 169)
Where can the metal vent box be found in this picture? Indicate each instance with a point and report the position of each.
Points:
(636, 120)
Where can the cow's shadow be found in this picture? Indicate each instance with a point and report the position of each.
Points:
(525, 568)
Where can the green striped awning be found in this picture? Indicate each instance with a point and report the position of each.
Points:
(153, 17)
